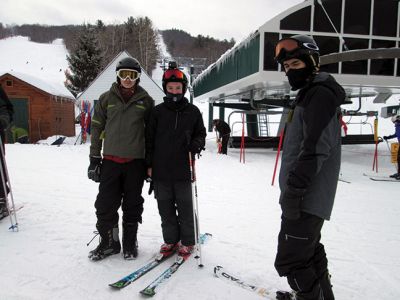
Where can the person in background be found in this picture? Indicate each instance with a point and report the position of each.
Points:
(175, 129)
(396, 121)
(224, 131)
(20, 135)
(119, 120)
(6, 113)
(309, 170)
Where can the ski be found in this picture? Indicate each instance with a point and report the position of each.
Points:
(150, 290)
(384, 179)
(127, 280)
(270, 294)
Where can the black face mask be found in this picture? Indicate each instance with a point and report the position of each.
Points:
(298, 78)
(174, 97)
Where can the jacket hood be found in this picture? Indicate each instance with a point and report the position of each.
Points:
(328, 81)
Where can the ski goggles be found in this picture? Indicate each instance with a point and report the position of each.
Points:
(123, 74)
(289, 45)
(173, 74)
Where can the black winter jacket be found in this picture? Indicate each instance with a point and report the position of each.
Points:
(173, 129)
(312, 146)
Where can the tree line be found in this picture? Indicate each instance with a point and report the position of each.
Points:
(92, 46)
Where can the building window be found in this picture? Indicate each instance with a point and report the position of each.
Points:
(270, 40)
(328, 45)
(358, 66)
(321, 21)
(385, 10)
(9, 83)
(382, 66)
(357, 16)
(299, 20)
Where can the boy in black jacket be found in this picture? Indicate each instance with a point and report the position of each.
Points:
(175, 129)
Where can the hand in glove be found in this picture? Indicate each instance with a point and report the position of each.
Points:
(151, 184)
(94, 168)
(385, 137)
(194, 147)
(290, 201)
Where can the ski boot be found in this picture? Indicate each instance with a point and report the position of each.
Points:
(395, 175)
(129, 240)
(109, 244)
(185, 250)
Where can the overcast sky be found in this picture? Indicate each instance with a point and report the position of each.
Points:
(222, 19)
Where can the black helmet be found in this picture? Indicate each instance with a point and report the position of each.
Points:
(128, 63)
(298, 46)
(173, 74)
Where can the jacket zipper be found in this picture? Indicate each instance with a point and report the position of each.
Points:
(176, 120)
(287, 236)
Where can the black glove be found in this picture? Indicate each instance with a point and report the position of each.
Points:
(94, 168)
(385, 137)
(291, 201)
(151, 184)
(195, 147)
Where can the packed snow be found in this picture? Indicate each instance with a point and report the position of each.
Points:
(47, 258)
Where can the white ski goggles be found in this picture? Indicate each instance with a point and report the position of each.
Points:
(124, 74)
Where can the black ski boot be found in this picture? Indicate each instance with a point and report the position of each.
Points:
(395, 175)
(129, 240)
(109, 243)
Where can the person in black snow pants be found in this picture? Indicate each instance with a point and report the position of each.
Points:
(223, 130)
(175, 129)
(396, 121)
(309, 170)
(119, 123)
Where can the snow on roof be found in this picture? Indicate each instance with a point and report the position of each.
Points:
(41, 65)
(103, 81)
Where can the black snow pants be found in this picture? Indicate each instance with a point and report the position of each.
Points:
(176, 210)
(120, 183)
(301, 257)
(224, 146)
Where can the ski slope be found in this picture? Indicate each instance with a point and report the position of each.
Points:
(47, 258)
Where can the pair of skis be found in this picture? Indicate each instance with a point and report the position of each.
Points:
(150, 290)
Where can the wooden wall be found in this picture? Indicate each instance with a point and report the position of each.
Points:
(48, 114)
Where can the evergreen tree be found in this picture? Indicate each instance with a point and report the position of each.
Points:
(85, 60)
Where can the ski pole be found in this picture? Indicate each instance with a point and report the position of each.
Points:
(6, 178)
(195, 209)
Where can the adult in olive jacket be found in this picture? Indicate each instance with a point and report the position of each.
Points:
(309, 170)
(118, 128)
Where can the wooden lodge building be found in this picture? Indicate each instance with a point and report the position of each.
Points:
(41, 108)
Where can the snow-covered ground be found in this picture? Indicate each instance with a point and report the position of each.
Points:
(47, 258)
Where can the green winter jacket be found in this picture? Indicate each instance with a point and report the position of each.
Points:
(121, 125)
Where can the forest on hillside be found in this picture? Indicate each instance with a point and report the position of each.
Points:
(136, 35)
